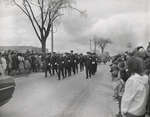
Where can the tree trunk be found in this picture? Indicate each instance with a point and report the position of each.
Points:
(102, 50)
(43, 44)
(52, 37)
(95, 47)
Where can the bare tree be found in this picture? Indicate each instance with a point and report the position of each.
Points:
(95, 40)
(42, 14)
(102, 43)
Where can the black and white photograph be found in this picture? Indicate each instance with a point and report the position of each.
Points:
(74, 58)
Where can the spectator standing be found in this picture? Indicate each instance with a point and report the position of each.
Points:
(135, 97)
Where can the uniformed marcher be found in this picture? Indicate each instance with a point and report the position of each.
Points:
(60, 67)
(68, 66)
(48, 65)
(94, 64)
(81, 62)
(65, 65)
(76, 62)
(33, 63)
(54, 63)
(88, 63)
(73, 61)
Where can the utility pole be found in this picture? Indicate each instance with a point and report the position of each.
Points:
(95, 44)
(90, 45)
(52, 39)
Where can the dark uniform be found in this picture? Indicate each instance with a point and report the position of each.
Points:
(60, 67)
(81, 63)
(72, 63)
(54, 64)
(65, 66)
(33, 63)
(48, 65)
(88, 68)
(76, 62)
(94, 65)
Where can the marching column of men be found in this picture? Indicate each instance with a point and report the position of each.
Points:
(65, 65)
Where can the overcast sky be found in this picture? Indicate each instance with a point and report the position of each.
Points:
(122, 21)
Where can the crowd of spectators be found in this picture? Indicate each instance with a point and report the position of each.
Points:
(130, 75)
(16, 63)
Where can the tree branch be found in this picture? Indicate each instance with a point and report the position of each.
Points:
(33, 14)
(31, 20)
(20, 7)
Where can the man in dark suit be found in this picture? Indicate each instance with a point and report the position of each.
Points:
(88, 64)
(48, 65)
(94, 64)
(54, 63)
(60, 67)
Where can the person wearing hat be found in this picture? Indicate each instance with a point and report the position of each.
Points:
(61, 67)
(81, 62)
(48, 65)
(94, 64)
(88, 65)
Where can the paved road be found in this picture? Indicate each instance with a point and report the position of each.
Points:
(36, 96)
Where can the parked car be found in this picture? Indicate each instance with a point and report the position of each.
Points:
(7, 87)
